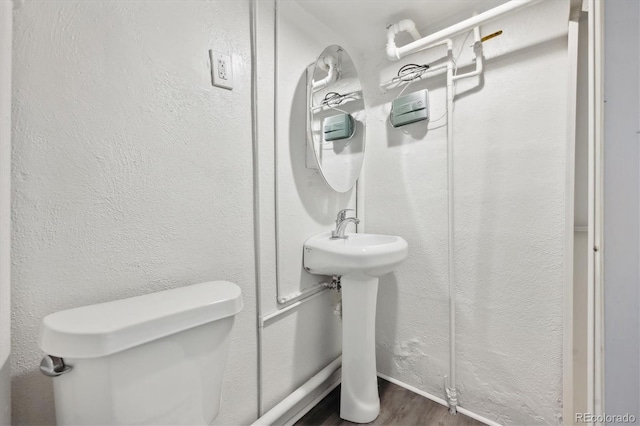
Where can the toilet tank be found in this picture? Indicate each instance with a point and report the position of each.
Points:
(156, 359)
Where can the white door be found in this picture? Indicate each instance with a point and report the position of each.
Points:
(6, 32)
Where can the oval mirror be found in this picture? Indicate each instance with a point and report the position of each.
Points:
(336, 118)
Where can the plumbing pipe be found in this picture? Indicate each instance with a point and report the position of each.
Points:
(428, 74)
(479, 60)
(451, 391)
(263, 320)
(394, 53)
(405, 25)
(302, 295)
(253, 22)
(330, 65)
(477, 47)
(276, 413)
(452, 394)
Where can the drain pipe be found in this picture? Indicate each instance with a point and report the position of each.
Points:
(330, 65)
(450, 384)
(452, 394)
(450, 381)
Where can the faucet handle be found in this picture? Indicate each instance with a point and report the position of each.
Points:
(342, 214)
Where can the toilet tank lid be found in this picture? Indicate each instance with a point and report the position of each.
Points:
(106, 328)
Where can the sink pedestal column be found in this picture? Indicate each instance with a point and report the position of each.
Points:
(359, 401)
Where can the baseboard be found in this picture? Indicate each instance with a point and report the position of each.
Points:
(440, 401)
(334, 382)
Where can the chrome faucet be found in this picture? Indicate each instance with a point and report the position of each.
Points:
(341, 224)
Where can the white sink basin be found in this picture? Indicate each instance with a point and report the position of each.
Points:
(371, 254)
(359, 260)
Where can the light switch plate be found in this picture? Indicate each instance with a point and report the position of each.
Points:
(221, 70)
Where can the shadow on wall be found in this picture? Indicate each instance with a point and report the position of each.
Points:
(42, 407)
(396, 135)
(309, 181)
(387, 314)
(324, 342)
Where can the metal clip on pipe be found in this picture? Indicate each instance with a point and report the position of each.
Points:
(53, 366)
(334, 284)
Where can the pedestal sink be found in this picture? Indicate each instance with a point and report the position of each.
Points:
(359, 259)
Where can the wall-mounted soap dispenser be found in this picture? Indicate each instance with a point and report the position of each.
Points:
(410, 108)
(338, 127)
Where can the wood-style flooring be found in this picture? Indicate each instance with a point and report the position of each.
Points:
(398, 407)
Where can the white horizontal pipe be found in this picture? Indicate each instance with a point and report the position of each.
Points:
(322, 395)
(301, 295)
(266, 318)
(353, 96)
(397, 81)
(394, 53)
(276, 413)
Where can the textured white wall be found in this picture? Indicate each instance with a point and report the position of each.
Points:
(131, 173)
(510, 131)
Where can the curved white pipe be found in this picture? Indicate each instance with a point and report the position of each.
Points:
(331, 67)
(392, 30)
(394, 53)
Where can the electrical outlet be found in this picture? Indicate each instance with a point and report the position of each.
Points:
(221, 70)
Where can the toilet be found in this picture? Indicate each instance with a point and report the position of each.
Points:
(156, 359)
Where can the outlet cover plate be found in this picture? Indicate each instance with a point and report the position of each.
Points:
(221, 70)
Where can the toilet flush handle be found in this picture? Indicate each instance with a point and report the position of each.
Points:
(53, 366)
